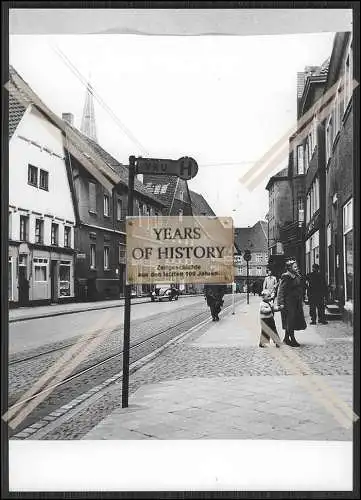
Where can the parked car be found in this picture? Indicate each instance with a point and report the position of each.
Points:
(164, 294)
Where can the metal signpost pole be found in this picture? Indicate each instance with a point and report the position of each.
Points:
(128, 290)
(247, 282)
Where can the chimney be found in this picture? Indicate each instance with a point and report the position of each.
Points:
(68, 117)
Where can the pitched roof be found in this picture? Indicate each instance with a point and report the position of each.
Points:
(254, 238)
(199, 205)
(281, 175)
(16, 112)
(155, 183)
(121, 170)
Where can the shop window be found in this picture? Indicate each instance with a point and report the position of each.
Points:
(348, 249)
(40, 270)
(64, 278)
(44, 180)
(32, 175)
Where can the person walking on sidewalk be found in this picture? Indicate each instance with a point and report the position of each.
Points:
(317, 293)
(214, 297)
(289, 299)
(268, 325)
(270, 283)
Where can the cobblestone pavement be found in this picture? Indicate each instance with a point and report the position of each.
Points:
(212, 356)
(219, 384)
(161, 327)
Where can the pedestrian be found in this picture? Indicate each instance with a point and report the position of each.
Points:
(289, 299)
(270, 283)
(268, 325)
(317, 293)
(214, 297)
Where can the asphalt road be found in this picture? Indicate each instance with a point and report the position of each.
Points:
(42, 342)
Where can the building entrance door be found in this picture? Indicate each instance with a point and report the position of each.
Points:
(23, 286)
(54, 280)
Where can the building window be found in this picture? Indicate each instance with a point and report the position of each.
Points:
(259, 271)
(10, 279)
(67, 236)
(329, 138)
(259, 257)
(181, 195)
(40, 270)
(92, 197)
(32, 175)
(122, 254)
(10, 225)
(329, 253)
(164, 189)
(119, 209)
(300, 162)
(348, 249)
(64, 278)
(39, 231)
(308, 256)
(301, 210)
(92, 256)
(348, 77)
(44, 180)
(54, 234)
(106, 205)
(306, 155)
(24, 223)
(157, 189)
(106, 257)
(312, 251)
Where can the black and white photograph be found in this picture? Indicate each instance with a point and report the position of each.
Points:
(181, 248)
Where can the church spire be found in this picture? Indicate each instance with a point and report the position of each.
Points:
(88, 127)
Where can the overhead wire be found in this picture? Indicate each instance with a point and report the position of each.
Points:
(123, 127)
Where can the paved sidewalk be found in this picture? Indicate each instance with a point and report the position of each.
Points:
(24, 313)
(218, 384)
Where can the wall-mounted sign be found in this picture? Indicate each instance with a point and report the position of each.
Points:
(81, 256)
(180, 250)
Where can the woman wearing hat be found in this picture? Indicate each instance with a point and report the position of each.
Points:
(290, 298)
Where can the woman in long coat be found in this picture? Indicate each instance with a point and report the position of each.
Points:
(290, 298)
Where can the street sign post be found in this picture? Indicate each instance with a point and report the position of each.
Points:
(247, 257)
(185, 168)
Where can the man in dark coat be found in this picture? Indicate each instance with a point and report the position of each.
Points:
(290, 299)
(317, 292)
(214, 297)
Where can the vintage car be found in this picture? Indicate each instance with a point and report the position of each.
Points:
(164, 293)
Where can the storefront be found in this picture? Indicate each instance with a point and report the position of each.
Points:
(312, 251)
(348, 252)
(39, 276)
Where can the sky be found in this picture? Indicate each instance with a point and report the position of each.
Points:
(223, 100)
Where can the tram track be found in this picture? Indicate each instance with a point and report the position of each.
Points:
(94, 375)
